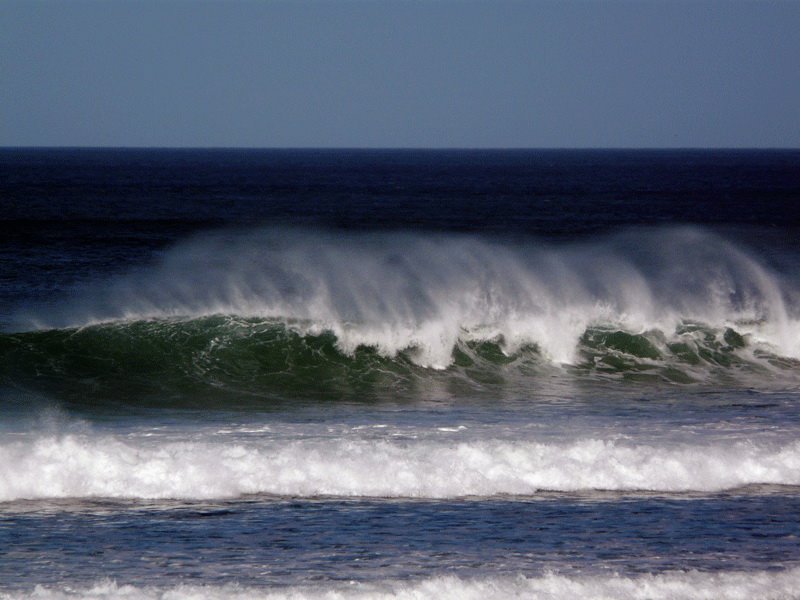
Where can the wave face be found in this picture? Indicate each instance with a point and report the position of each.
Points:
(277, 313)
(777, 585)
(114, 466)
(233, 359)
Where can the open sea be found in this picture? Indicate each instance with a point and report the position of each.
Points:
(399, 374)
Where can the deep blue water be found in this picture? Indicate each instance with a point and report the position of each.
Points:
(385, 373)
(266, 541)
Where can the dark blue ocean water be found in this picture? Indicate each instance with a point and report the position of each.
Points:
(545, 374)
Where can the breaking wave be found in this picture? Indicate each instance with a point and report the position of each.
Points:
(223, 358)
(116, 466)
(274, 312)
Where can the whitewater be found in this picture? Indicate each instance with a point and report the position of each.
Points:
(406, 464)
(672, 586)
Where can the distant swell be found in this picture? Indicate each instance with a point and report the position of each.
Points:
(80, 466)
(676, 585)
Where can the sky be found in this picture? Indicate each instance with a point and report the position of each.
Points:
(390, 73)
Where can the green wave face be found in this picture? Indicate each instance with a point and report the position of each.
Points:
(233, 361)
(693, 354)
(191, 362)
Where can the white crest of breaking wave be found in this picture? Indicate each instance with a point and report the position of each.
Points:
(676, 585)
(395, 291)
(116, 466)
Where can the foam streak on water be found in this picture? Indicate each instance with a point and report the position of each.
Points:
(692, 585)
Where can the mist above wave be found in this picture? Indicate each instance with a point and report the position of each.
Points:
(400, 291)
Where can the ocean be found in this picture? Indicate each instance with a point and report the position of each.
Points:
(399, 374)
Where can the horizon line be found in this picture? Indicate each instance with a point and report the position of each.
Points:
(407, 148)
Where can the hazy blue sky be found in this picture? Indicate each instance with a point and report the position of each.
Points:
(390, 73)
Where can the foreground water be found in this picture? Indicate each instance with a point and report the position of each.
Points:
(399, 374)
(390, 504)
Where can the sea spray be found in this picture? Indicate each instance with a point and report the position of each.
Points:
(395, 291)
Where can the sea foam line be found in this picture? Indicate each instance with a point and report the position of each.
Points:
(77, 466)
(783, 585)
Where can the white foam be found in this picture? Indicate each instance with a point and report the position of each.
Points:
(398, 291)
(777, 585)
(91, 465)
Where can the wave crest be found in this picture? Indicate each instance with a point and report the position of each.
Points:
(395, 291)
(233, 360)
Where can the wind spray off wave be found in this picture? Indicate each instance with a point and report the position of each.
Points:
(424, 293)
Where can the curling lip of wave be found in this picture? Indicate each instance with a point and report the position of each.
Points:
(76, 466)
(394, 291)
